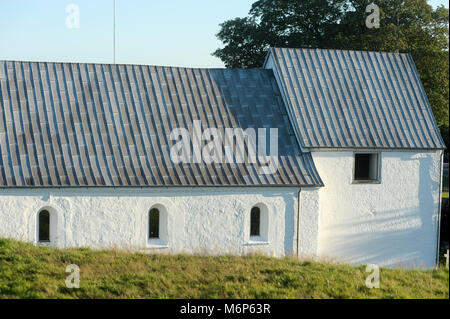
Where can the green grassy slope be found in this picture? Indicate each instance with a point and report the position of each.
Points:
(27, 271)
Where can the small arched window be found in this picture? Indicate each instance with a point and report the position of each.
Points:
(44, 226)
(255, 221)
(153, 223)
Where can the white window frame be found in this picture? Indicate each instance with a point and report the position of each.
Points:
(53, 226)
(264, 225)
(163, 240)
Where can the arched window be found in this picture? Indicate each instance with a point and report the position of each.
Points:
(255, 221)
(153, 223)
(258, 223)
(157, 226)
(44, 226)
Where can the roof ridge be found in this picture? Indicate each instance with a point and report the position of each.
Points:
(344, 50)
(131, 64)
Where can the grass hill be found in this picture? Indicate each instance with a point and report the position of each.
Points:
(27, 271)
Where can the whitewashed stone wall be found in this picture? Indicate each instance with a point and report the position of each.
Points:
(309, 222)
(393, 223)
(199, 220)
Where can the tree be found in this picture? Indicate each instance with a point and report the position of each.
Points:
(406, 26)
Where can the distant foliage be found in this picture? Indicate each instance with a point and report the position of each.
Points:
(405, 26)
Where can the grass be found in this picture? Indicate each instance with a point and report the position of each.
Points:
(27, 271)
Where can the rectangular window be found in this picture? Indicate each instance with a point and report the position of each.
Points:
(44, 226)
(154, 223)
(366, 167)
(255, 217)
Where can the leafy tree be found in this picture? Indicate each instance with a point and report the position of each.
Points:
(405, 26)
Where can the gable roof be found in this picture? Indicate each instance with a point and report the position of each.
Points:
(70, 125)
(355, 99)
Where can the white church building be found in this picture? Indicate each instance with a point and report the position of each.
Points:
(86, 158)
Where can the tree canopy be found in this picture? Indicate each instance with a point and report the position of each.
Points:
(411, 26)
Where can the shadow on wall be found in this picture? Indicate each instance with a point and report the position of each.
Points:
(428, 215)
(391, 248)
(288, 214)
(403, 237)
(289, 224)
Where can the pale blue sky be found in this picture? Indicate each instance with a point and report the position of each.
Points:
(155, 32)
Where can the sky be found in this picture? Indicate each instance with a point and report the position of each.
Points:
(154, 32)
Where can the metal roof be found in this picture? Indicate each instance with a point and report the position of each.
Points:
(75, 124)
(355, 99)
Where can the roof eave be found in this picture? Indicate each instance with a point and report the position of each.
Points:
(393, 149)
(269, 53)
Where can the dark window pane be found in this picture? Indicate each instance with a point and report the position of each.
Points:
(366, 166)
(154, 223)
(255, 216)
(44, 226)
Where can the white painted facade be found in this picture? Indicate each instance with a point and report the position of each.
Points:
(211, 220)
(391, 223)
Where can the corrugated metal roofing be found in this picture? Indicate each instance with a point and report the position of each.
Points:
(355, 99)
(69, 124)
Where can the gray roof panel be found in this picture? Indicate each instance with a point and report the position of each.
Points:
(355, 99)
(72, 125)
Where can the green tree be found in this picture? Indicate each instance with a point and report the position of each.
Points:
(405, 26)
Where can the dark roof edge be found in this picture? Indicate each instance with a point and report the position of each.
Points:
(393, 149)
(165, 186)
(269, 52)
